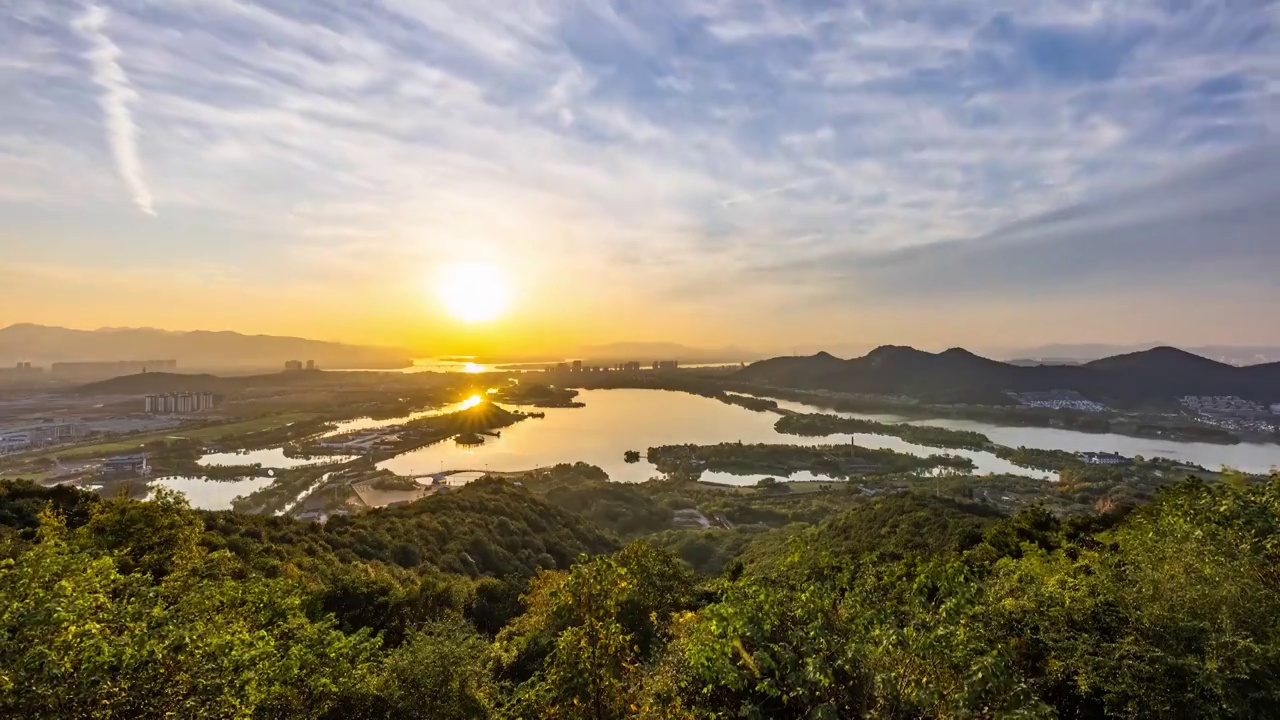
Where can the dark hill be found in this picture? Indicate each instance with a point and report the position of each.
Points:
(144, 383)
(154, 382)
(794, 370)
(1152, 377)
(1164, 358)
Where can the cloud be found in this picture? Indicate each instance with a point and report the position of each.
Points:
(117, 95)
(1183, 233)
(652, 151)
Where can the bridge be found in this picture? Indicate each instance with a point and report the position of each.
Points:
(440, 476)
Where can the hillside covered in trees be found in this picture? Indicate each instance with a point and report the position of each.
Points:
(561, 595)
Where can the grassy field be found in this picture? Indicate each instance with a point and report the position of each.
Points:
(133, 443)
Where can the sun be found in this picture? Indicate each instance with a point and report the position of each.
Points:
(472, 292)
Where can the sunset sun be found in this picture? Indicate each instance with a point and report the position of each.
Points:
(472, 292)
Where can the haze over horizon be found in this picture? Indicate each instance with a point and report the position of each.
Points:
(524, 177)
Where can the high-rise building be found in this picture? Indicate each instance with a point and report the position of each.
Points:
(311, 364)
(291, 365)
(178, 403)
(577, 366)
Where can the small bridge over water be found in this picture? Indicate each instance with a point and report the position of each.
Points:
(440, 476)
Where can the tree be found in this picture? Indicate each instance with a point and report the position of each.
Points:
(441, 671)
(579, 649)
(81, 638)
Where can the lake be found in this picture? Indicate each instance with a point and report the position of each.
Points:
(615, 421)
(1249, 457)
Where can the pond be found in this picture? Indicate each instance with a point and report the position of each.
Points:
(268, 458)
(206, 494)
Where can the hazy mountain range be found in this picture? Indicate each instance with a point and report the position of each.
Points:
(1083, 352)
(197, 349)
(648, 351)
(1156, 376)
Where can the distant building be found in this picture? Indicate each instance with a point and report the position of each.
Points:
(1275, 408)
(1103, 458)
(168, 403)
(14, 441)
(21, 371)
(665, 365)
(126, 464)
(292, 365)
(49, 432)
(577, 366)
(311, 364)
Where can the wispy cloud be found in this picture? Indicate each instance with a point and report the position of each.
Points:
(637, 147)
(116, 97)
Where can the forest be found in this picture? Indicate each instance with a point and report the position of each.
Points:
(561, 595)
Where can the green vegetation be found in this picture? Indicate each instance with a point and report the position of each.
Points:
(273, 429)
(1037, 458)
(624, 509)
(820, 425)
(499, 600)
(836, 461)
(538, 395)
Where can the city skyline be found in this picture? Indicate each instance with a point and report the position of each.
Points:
(757, 174)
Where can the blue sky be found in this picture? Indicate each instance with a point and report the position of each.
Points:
(706, 171)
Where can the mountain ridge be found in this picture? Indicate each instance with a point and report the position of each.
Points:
(1156, 376)
(204, 349)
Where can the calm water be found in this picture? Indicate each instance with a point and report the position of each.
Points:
(205, 494)
(358, 424)
(269, 458)
(725, 478)
(615, 421)
(1249, 457)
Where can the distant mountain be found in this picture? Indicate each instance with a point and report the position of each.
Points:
(1156, 376)
(198, 349)
(1064, 354)
(649, 351)
(1043, 361)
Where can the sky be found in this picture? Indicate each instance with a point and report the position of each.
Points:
(756, 173)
